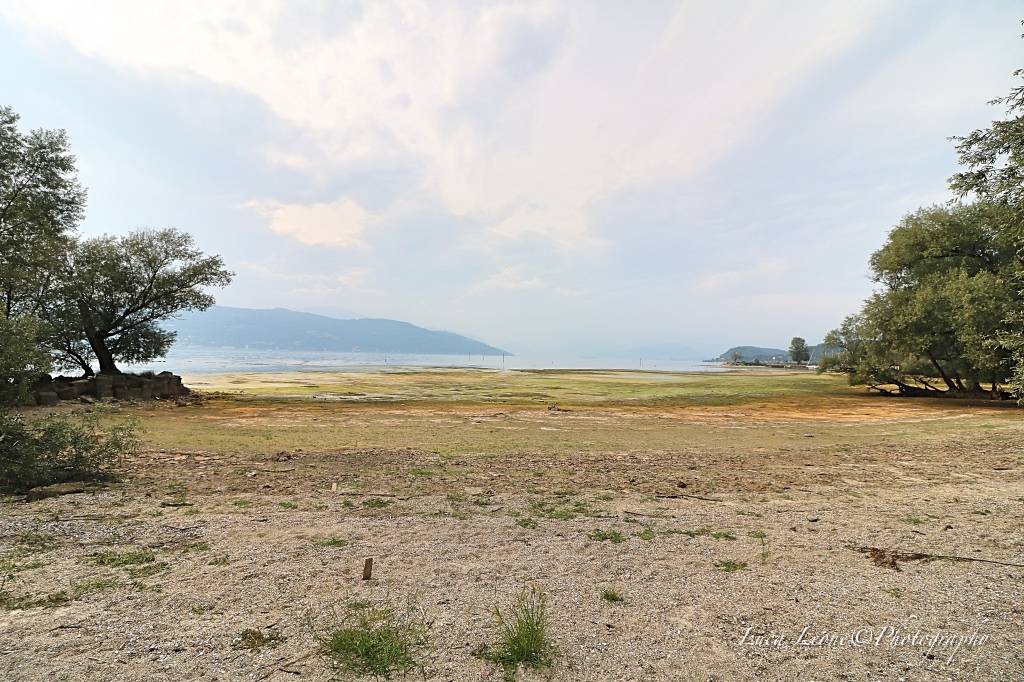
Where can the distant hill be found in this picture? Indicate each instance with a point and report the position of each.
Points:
(758, 354)
(754, 354)
(283, 329)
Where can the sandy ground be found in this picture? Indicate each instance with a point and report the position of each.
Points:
(237, 538)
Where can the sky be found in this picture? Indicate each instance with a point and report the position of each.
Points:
(591, 177)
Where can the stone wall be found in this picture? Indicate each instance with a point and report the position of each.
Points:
(162, 386)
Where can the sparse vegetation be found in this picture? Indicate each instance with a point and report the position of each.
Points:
(373, 641)
(331, 542)
(524, 638)
(730, 566)
(376, 503)
(612, 596)
(602, 535)
(121, 559)
(255, 640)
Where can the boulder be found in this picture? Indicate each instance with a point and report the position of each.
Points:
(47, 397)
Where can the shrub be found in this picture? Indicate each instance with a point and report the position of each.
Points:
(59, 449)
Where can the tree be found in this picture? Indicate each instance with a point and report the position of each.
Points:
(22, 357)
(798, 351)
(115, 290)
(41, 204)
(941, 322)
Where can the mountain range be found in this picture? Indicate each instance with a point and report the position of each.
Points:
(283, 329)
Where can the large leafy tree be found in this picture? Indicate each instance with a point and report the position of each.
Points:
(41, 204)
(942, 321)
(115, 290)
(993, 161)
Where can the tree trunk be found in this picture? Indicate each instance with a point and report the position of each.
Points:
(97, 342)
(99, 347)
(942, 372)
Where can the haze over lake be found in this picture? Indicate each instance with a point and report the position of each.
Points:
(188, 360)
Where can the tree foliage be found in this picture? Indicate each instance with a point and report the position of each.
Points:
(798, 351)
(41, 204)
(115, 290)
(942, 321)
(22, 356)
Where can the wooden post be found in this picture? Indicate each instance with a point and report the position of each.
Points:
(368, 568)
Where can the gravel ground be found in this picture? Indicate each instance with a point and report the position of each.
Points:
(237, 544)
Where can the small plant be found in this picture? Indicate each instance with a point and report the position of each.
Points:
(222, 560)
(373, 641)
(893, 591)
(242, 503)
(331, 542)
(376, 503)
(524, 635)
(612, 596)
(120, 559)
(601, 535)
(730, 566)
(913, 520)
(257, 639)
(526, 522)
(646, 534)
(722, 535)
(288, 505)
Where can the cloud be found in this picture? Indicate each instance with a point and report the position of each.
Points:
(739, 281)
(339, 224)
(515, 278)
(517, 117)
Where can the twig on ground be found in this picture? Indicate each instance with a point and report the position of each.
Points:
(888, 558)
(675, 496)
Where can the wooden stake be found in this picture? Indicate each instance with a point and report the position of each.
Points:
(368, 568)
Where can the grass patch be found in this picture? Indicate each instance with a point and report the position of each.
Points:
(147, 570)
(601, 535)
(612, 596)
(222, 560)
(331, 542)
(524, 639)
(288, 505)
(527, 522)
(34, 543)
(254, 640)
(560, 511)
(722, 535)
(376, 503)
(646, 534)
(121, 559)
(373, 641)
(730, 566)
(913, 520)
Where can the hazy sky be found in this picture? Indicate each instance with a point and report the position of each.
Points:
(542, 176)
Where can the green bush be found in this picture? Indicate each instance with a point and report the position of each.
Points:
(57, 449)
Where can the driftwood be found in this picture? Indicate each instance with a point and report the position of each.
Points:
(888, 558)
(676, 496)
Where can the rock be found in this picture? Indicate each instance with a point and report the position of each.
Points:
(103, 387)
(47, 397)
(55, 490)
(87, 399)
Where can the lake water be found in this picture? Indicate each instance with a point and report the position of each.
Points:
(206, 360)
